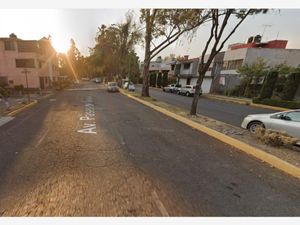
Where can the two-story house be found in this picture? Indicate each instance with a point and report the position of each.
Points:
(37, 57)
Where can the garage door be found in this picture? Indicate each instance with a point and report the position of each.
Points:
(206, 85)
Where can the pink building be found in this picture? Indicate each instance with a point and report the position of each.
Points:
(37, 57)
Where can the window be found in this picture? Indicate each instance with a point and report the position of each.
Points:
(11, 82)
(186, 66)
(25, 63)
(225, 65)
(232, 64)
(188, 81)
(9, 45)
(3, 81)
(295, 116)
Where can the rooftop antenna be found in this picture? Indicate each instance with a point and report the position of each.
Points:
(277, 35)
(265, 27)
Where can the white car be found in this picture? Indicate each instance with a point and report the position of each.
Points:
(177, 89)
(288, 121)
(130, 86)
(189, 90)
(169, 88)
(112, 87)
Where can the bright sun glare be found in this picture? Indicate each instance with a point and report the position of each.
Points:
(60, 45)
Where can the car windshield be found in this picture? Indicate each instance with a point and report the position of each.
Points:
(112, 84)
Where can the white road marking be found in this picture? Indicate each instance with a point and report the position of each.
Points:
(89, 124)
(41, 139)
(159, 204)
(52, 99)
(5, 119)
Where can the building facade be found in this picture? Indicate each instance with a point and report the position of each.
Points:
(32, 60)
(273, 53)
(187, 72)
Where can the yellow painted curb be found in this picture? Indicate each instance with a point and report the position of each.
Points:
(13, 113)
(259, 154)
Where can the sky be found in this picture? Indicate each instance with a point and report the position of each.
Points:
(82, 25)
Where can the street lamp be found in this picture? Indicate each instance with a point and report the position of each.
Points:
(26, 72)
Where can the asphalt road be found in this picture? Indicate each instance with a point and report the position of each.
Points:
(138, 163)
(231, 113)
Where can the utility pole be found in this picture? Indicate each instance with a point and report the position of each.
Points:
(27, 72)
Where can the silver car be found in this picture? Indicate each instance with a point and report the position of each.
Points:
(288, 121)
(112, 87)
(169, 88)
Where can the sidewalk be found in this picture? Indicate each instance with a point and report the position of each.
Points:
(16, 103)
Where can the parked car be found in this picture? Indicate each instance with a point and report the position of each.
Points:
(189, 90)
(288, 121)
(177, 89)
(112, 87)
(97, 80)
(169, 88)
(130, 86)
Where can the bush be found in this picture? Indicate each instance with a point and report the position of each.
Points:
(275, 138)
(277, 102)
(61, 84)
(165, 80)
(269, 85)
(159, 80)
(234, 91)
(291, 86)
(152, 79)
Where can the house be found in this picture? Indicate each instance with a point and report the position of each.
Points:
(187, 72)
(157, 68)
(31, 60)
(272, 52)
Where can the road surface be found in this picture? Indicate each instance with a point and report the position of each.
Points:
(87, 152)
(231, 113)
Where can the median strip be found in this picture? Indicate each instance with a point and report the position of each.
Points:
(14, 112)
(256, 152)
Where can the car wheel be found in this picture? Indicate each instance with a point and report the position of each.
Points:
(187, 94)
(252, 126)
(164, 90)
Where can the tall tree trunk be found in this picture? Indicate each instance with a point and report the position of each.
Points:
(202, 71)
(145, 89)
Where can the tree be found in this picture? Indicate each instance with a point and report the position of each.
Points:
(291, 86)
(217, 39)
(113, 54)
(165, 26)
(269, 85)
(252, 74)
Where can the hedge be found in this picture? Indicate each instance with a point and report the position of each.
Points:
(291, 86)
(279, 103)
(268, 85)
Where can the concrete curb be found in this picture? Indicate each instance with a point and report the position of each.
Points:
(257, 153)
(269, 107)
(245, 102)
(13, 113)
